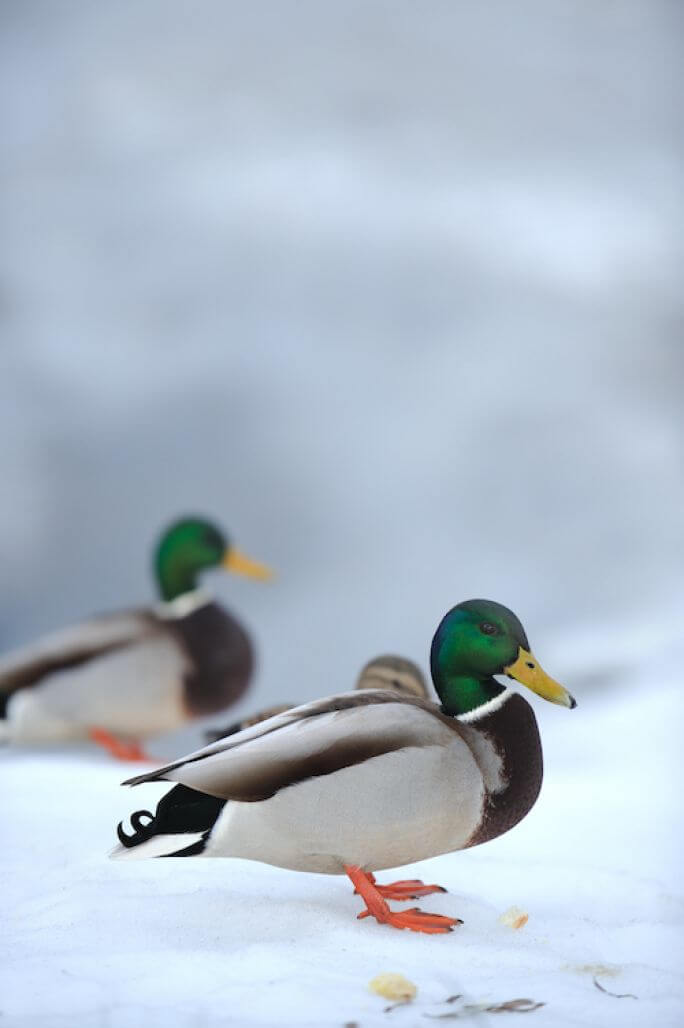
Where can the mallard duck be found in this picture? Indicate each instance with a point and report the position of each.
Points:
(121, 677)
(372, 779)
(395, 673)
(386, 672)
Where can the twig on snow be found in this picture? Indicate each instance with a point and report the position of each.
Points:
(511, 1006)
(617, 995)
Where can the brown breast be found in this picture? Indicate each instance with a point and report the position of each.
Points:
(220, 656)
(512, 731)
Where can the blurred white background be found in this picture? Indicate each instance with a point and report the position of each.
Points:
(391, 290)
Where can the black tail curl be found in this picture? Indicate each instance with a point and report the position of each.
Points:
(181, 811)
(141, 832)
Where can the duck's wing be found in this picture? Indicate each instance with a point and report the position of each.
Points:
(74, 646)
(214, 734)
(308, 741)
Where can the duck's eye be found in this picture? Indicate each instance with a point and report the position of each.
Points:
(212, 539)
(488, 628)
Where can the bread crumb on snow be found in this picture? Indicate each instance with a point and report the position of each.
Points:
(393, 986)
(514, 918)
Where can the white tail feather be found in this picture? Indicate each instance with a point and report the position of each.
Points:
(157, 846)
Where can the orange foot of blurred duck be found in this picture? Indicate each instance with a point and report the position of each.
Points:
(118, 748)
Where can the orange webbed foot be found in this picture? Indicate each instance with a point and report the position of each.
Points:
(414, 919)
(406, 889)
(121, 750)
(417, 921)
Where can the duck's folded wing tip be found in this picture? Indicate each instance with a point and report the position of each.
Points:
(149, 776)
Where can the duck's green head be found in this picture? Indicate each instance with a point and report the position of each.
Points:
(476, 640)
(192, 545)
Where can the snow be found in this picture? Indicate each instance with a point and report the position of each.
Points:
(198, 942)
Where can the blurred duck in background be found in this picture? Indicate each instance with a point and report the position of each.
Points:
(122, 677)
(386, 672)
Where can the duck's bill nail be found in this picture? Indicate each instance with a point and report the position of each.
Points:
(527, 670)
(240, 564)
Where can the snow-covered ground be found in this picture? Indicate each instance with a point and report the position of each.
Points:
(193, 942)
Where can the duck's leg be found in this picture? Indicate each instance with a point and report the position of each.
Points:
(406, 889)
(415, 920)
(118, 748)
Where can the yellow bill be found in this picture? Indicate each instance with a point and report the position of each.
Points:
(240, 564)
(527, 670)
